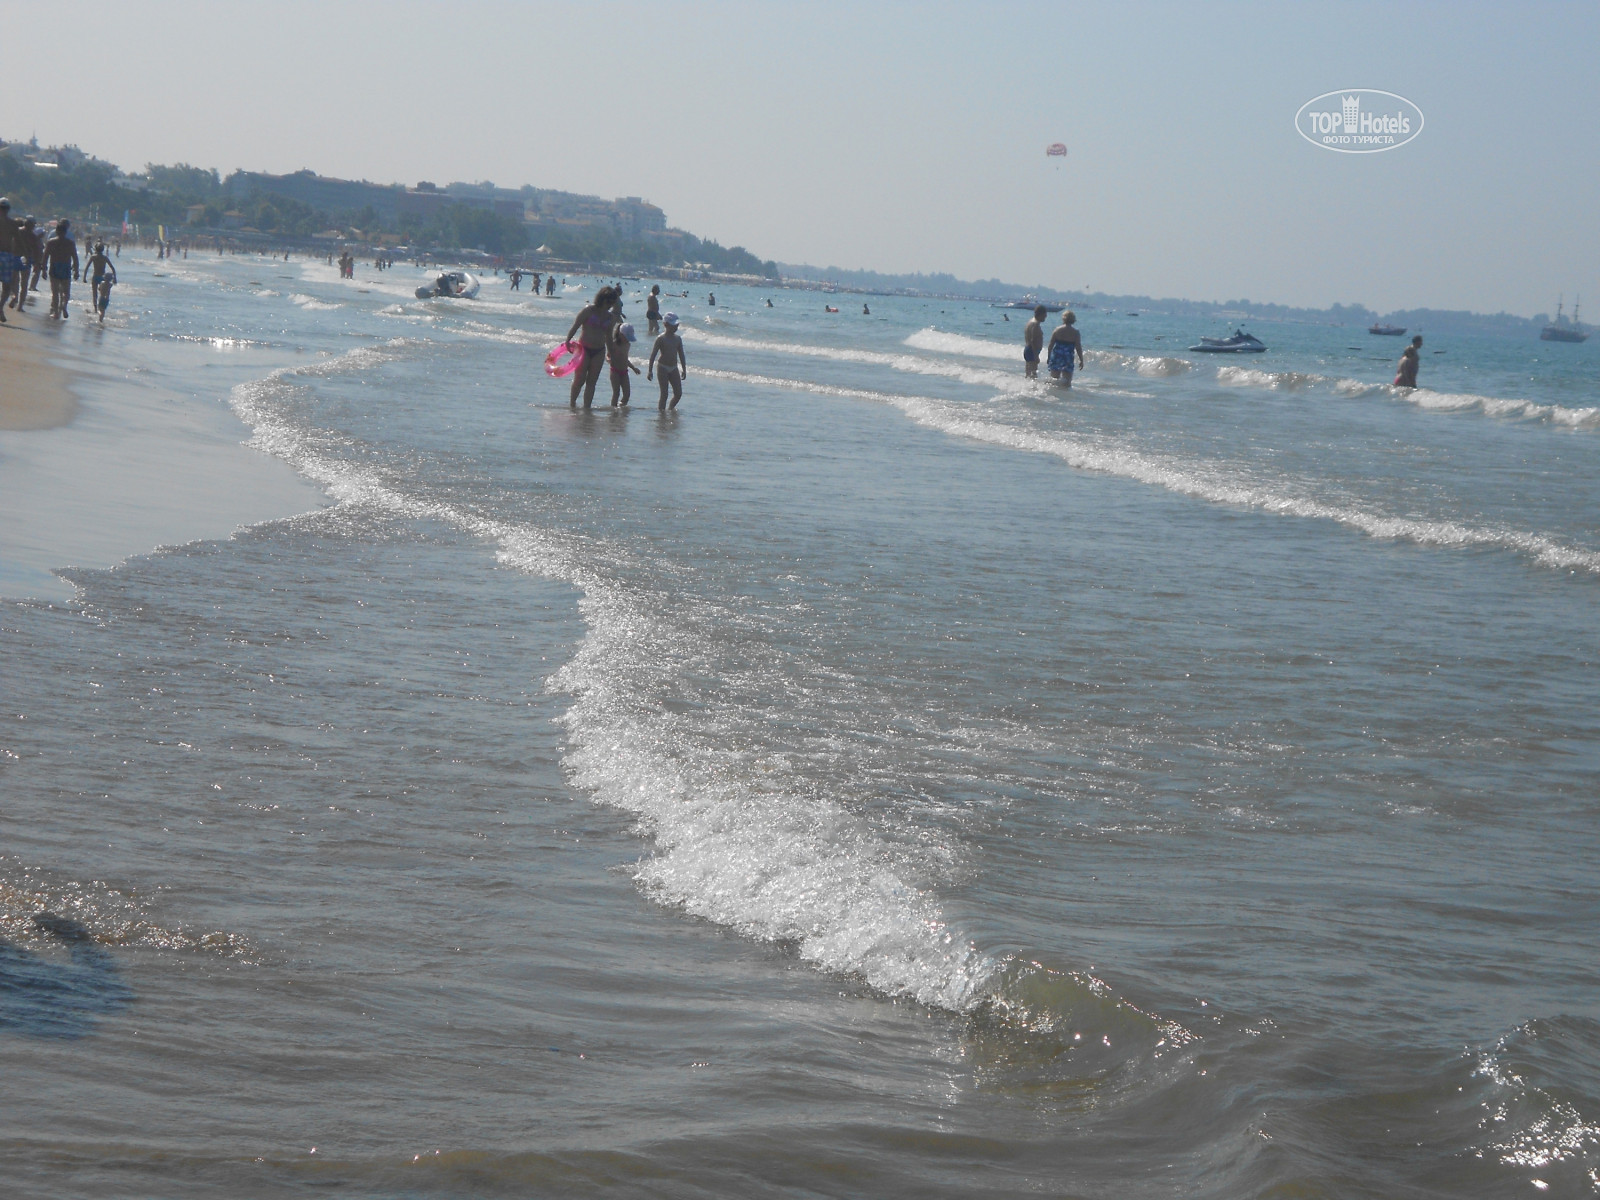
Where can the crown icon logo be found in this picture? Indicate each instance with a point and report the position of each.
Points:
(1352, 112)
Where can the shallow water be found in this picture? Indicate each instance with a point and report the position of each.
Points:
(881, 777)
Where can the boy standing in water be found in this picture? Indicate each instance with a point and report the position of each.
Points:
(1410, 360)
(1033, 342)
(621, 386)
(652, 309)
(669, 346)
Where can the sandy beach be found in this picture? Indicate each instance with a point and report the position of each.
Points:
(101, 458)
(36, 393)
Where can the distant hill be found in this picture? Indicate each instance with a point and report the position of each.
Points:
(1417, 320)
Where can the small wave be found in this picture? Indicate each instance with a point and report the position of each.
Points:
(1204, 481)
(1283, 381)
(311, 303)
(1535, 1126)
(942, 342)
(909, 363)
(939, 341)
(1490, 406)
(774, 861)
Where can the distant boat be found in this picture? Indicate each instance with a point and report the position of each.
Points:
(1388, 330)
(1563, 330)
(1030, 303)
(1240, 343)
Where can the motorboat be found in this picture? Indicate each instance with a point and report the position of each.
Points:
(1030, 303)
(1388, 330)
(452, 285)
(1240, 343)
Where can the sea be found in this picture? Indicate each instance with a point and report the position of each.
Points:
(883, 776)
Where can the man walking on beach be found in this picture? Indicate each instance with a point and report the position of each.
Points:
(61, 258)
(1410, 360)
(8, 256)
(1033, 342)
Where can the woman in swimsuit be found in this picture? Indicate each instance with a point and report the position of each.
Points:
(593, 324)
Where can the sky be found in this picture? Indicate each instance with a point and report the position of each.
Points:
(909, 137)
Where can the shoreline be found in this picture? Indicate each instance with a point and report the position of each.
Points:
(114, 445)
(38, 393)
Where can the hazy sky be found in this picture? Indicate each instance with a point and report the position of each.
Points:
(906, 137)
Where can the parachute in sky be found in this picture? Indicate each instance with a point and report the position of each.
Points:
(1056, 150)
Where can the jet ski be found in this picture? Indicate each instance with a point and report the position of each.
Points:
(1240, 343)
(452, 285)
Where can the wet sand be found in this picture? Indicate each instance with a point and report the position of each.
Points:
(34, 391)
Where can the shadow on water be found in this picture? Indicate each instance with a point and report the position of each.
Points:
(60, 991)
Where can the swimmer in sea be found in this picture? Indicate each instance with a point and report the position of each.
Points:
(1063, 343)
(674, 366)
(865, 311)
(1033, 342)
(769, 303)
(1410, 360)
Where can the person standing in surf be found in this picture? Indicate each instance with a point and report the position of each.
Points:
(593, 325)
(1033, 342)
(621, 343)
(1064, 342)
(1410, 360)
(652, 309)
(669, 348)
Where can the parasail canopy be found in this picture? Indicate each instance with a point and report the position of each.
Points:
(1056, 150)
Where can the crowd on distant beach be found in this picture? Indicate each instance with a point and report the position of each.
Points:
(28, 252)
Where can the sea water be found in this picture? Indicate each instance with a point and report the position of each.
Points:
(884, 776)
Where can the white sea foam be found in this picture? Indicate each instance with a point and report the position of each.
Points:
(942, 342)
(1202, 481)
(1283, 381)
(312, 304)
(1512, 409)
(743, 846)
(1491, 406)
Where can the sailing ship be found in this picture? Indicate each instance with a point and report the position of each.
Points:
(1563, 330)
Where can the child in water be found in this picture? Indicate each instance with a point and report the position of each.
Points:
(621, 385)
(669, 348)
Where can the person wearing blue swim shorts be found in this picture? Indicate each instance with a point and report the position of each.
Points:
(61, 259)
(1033, 342)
